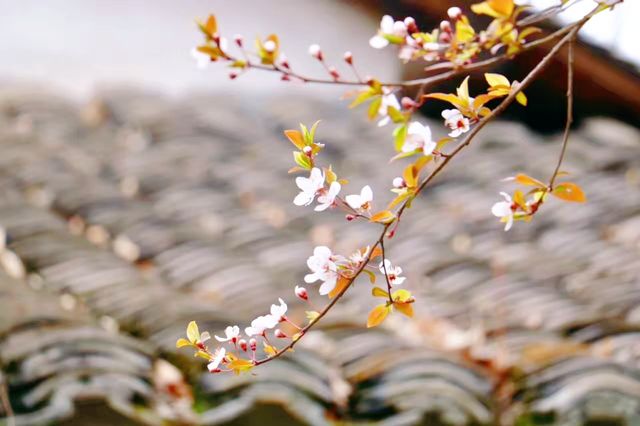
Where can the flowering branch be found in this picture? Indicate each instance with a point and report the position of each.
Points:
(470, 114)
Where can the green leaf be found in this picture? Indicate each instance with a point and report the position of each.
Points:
(302, 160)
(400, 134)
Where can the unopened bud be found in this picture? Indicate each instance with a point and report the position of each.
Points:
(445, 26)
(445, 37)
(349, 217)
(270, 46)
(316, 52)
(243, 344)
(301, 292)
(280, 334)
(239, 40)
(408, 103)
(348, 57)
(399, 182)
(253, 344)
(369, 80)
(307, 150)
(334, 73)
(454, 13)
(410, 23)
(233, 75)
(285, 77)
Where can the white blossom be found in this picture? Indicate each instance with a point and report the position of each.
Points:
(202, 59)
(260, 324)
(503, 210)
(455, 121)
(231, 333)
(388, 29)
(362, 200)
(309, 187)
(278, 311)
(328, 198)
(393, 273)
(324, 268)
(419, 137)
(218, 356)
(388, 100)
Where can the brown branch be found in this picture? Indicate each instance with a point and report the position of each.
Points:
(533, 74)
(428, 81)
(569, 120)
(384, 269)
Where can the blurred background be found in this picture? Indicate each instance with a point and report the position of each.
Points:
(138, 193)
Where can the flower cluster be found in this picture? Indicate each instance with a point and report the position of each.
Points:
(518, 207)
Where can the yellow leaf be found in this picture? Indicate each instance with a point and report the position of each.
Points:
(384, 216)
(210, 27)
(182, 343)
(405, 308)
(378, 292)
(193, 334)
(464, 31)
(295, 137)
(312, 315)
(447, 97)
(569, 191)
(518, 198)
(203, 355)
(372, 276)
(376, 253)
(377, 315)
(410, 176)
(269, 350)
(521, 98)
(503, 7)
(401, 296)
(374, 107)
(340, 285)
(497, 80)
(523, 179)
(463, 91)
(361, 98)
(330, 175)
(240, 365)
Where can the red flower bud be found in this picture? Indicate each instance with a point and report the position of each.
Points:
(280, 334)
(238, 39)
(349, 217)
(253, 344)
(348, 58)
(334, 73)
(301, 292)
(243, 345)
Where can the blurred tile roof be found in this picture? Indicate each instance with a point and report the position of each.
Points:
(132, 215)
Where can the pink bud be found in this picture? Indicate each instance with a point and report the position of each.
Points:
(445, 38)
(334, 73)
(348, 58)
(270, 46)
(399, 182)
(307, 150)
(285, 77)
(410, 23)
(233, 75)
(280, 334)
(445, 26)
(238, 39)
(454, 13)
(301, 292)
(243, 345)
(408, 103)
(253, 344)
(316, 52)
(349, 217)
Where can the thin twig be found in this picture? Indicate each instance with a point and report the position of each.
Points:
(569, 120)
(384, 269)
